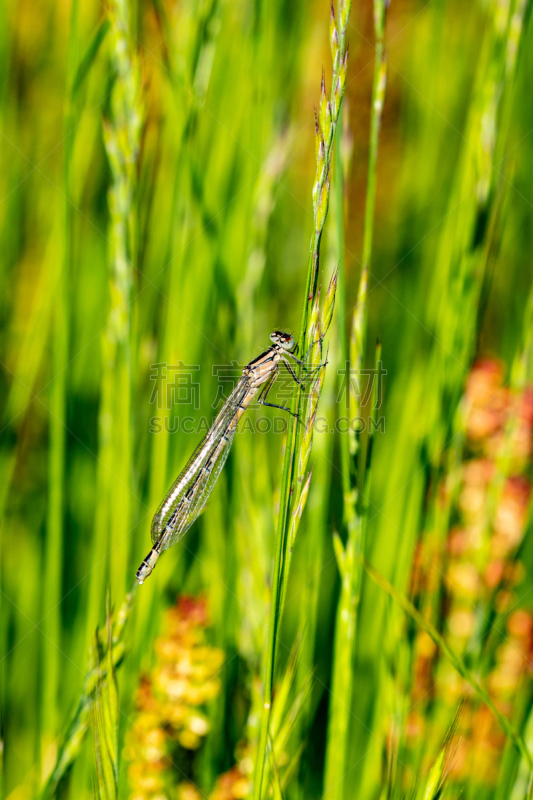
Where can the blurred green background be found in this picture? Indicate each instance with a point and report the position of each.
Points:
(156, 208)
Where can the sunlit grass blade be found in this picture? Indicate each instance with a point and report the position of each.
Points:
(110, 637)
(122, 135)
(442, 764)
(290, 699)
(326, 120)
(54, 559)
(104, 717)
(89, 57)
(355, 478)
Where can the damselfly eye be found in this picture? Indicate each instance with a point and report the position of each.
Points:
(285, 340)
(288, 342)
(282, 339)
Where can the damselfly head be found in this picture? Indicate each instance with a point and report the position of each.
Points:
(285, 340)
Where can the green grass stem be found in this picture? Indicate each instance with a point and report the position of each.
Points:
(97, 672)
(326, 121)
(355, 480)
(53, 580)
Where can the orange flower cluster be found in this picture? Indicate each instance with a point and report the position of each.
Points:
(232, 785)
(235, 784)
(493, 501)
(169, 700)
(477, 568)
(490, 407)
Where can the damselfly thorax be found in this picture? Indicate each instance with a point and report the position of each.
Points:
(189, 493)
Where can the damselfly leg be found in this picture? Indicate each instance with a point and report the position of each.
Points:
(262, 399)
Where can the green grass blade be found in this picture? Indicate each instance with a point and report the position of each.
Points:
(325, 127)
(97, 672)
(104, 717)
(356, 485)
(89, 57)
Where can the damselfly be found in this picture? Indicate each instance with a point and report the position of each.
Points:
(191, 489)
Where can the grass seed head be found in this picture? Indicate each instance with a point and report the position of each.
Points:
(341, 83)
(314, 333)
(322, 207)
(329, 303)
(321, 159)
(319, 139)
(307, 441)
(299, 509)
(320, 381)
(328, 125)
(322, 113)
(346, 7)
(316, 185)
(314, 320)
(334, 37)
